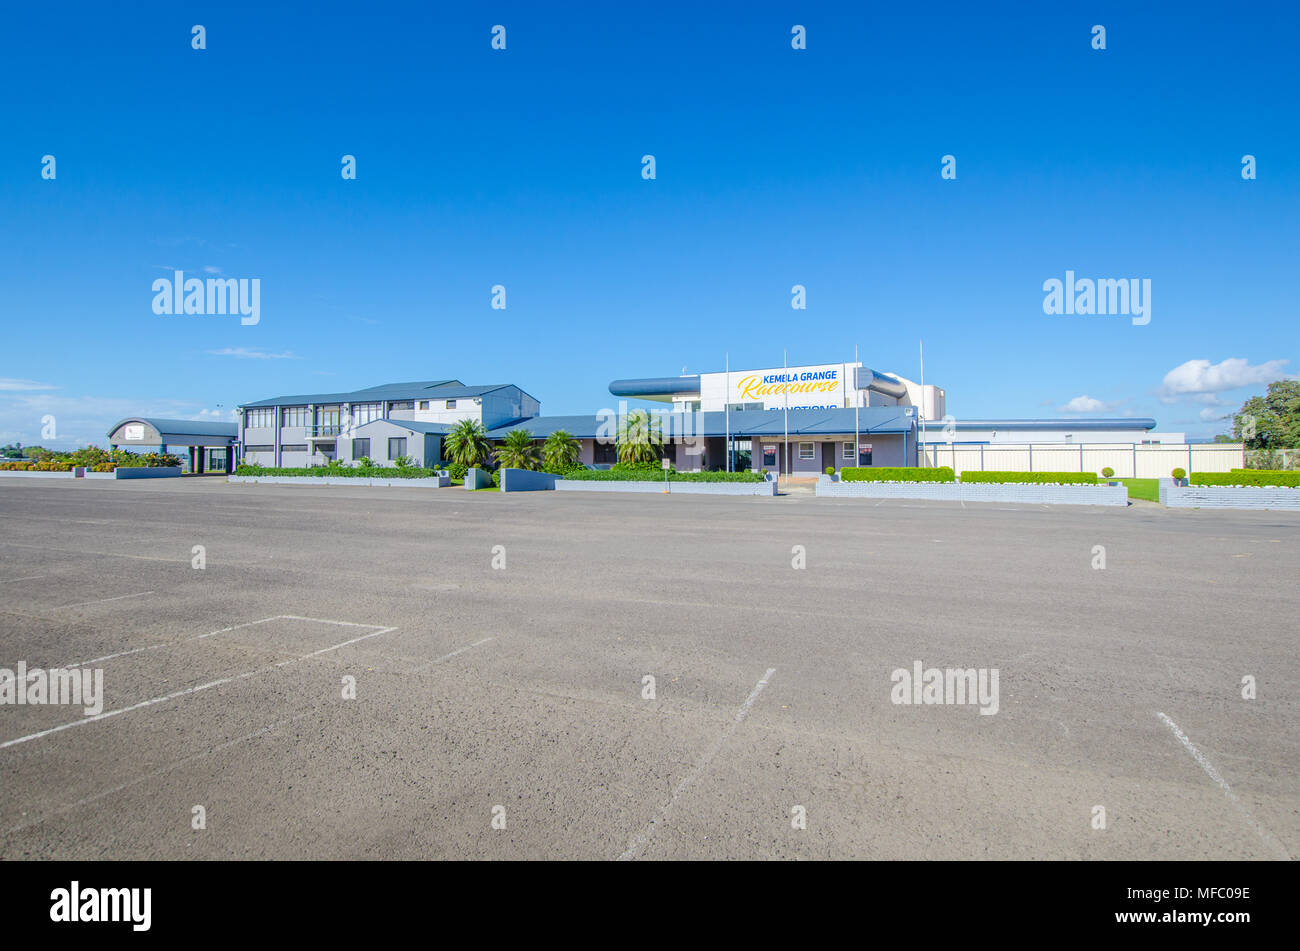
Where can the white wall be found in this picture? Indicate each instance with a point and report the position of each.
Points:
(1128, 460)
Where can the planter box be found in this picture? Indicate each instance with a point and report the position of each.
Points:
(526, 480)
(430, 482)
(674, 488)
(478, 479)
(141, 472)
(1229, 496)
(147, 472)
(978, 492)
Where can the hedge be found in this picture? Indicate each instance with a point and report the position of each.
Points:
(338, 472)
(1275, 477)
(896, 474)
(1034, 478)
(652, 475)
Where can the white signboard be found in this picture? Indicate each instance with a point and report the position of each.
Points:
(811, 387)
(134, 431)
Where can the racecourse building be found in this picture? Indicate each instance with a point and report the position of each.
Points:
(797, 421)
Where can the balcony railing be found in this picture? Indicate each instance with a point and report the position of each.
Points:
(318, 430)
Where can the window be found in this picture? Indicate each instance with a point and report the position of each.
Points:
(404, 404)
(259, 418)
(769, 455)
(847, 451)
(302, 448)
(360, 447)
(605, 452)
(451, 404)
(424, 404)
(259, 449)
(295, 416)
(396, 447)
(807, 450)
(363, 413)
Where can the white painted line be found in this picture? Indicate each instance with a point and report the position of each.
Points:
(29, 578)
(192, 690)
(157, 772)
(439, 660)
(323, 620)
(185, 640)
(81, 604)
(1267, 837)
(641, 838)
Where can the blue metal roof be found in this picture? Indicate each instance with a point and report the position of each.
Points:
(440, 429)
(802, 422)
(180, 427)
(420, 390)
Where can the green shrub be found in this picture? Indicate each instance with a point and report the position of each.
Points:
(1107, 473)
(1032, 478)
(496, 478)
(1251, 477)
(830, 470)
(457, 471)
(1179, 473)
(561, 467)
(643, 474)
(896, 474)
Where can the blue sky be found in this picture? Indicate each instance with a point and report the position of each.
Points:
(522, 167)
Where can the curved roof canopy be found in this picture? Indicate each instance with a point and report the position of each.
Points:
(180, 432)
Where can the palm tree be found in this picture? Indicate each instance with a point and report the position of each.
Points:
(561, 450)
(640, 439)
(466, 443)
(517, 451)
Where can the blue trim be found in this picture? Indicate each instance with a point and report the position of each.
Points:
(1125, 422)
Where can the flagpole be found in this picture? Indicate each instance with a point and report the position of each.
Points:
(921, 410)
(726, 405)
(785, 384)
(857, 398)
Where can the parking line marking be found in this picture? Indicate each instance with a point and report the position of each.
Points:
(29, 578)
(641, 838)
(439, 660)
(157, 772)
(82, 604)
(1213, 773)
(184, 640)
(192, 690)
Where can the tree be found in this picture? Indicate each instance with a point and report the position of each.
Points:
(561, 451)
(467, 442)
(640, 438)
(1271, 421)
(517, 451)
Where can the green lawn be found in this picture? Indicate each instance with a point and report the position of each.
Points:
(1148, 489)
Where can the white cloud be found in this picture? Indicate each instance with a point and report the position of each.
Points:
(1199, 380)
(1211, 413)
(9, 384)
(246, 354)
(1087, 404)
(212, 269)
